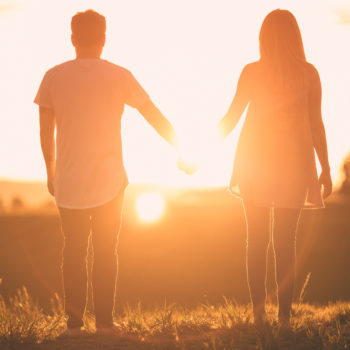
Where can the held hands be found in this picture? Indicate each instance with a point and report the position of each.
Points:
(187, 154)
(186, 166)
(189, 158)
(195, 152)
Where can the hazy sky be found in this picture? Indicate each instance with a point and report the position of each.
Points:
(186, 53)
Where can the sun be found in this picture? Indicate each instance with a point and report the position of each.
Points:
(150, 206)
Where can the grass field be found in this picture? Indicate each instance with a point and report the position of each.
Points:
(191, 257)
(223, 326)
(196, 249)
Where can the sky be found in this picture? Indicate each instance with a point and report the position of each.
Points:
(187, 54)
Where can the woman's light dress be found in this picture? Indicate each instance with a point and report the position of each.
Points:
(275, 163)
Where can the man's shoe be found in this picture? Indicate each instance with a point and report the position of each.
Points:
(113, 330)
(75, 332)
(284, 322)
(260, 319)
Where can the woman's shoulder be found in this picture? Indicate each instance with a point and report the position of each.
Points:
(311, 75)
(250, 70)
(311, 70)
(254, 69)
(252, 66)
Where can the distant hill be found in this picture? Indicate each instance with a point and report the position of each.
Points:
(35, 193)
(31, 193)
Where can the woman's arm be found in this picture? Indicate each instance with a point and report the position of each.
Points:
(238, 105)
(318, 133)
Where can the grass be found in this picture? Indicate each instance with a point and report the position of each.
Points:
(218, 327)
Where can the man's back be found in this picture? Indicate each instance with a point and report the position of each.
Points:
(88, 97)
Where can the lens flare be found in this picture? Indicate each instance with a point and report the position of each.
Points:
(194, 152)
(150, 206)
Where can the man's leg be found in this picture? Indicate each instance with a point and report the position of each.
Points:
(76, 230)
(284, 234)
(258, 238)
(105, 221)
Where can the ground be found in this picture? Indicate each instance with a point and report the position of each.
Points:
(225, 326)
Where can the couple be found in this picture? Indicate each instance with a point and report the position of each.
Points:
(274, 171)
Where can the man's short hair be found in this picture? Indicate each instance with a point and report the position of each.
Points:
(88, 28)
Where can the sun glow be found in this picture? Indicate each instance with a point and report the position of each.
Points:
(190, 72)
(150, 206)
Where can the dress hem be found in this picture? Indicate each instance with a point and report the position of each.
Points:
(234, 191)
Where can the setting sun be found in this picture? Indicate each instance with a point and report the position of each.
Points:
(150, 206)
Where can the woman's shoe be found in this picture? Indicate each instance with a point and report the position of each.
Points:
(113, 330)
(284, 321)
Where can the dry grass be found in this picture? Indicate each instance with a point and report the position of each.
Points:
(225, 326)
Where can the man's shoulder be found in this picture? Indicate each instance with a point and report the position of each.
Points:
(102, 62)
(100, 66)
(114, 67)
(59, 67)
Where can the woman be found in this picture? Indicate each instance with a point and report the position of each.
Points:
(275, 168)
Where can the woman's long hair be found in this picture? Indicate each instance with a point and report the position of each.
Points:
(281, 49)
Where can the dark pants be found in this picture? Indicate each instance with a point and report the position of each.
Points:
(282, 224)
(103, 224)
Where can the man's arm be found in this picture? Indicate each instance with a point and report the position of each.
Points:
(157, 120)
(47, 140)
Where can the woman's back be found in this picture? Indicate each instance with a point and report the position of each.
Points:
(278, 106)
(275, 163)
(275, 160)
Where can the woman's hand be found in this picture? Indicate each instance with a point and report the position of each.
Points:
(51, 170)
(51, 186)
(325, 181)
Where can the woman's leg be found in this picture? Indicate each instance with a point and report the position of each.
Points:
(258, 222)
(285, 224)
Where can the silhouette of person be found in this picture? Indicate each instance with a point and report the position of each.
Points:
(275, 168)
(84, 99)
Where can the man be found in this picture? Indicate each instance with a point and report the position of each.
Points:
(84, 100)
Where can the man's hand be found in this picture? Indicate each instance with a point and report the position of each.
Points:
(325, 181)
(186, 166)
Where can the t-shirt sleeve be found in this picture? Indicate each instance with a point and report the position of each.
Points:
(136, 96)
(43, 96)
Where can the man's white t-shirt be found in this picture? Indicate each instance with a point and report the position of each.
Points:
(88, 98)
